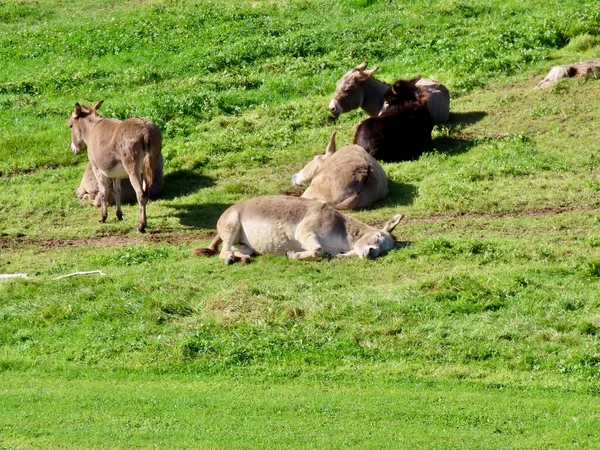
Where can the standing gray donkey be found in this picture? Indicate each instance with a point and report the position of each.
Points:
(117, 149)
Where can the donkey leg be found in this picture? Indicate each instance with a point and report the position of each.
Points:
(230, 235)
(243, 253)
(103, 190)
(142, 198)
(117, 195)
(311, 245)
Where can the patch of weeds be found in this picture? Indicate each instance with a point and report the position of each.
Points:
(53, 313)
(464, 294)
(590, 268)
(163, 310)
(582, 42)
(541, 111)
(132, 256)
(485, 251)
(241, 188)
(589, 329)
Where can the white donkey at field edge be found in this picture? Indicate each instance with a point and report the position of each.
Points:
(299, 228)
(117, 149)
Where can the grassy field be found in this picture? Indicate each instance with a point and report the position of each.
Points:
(482, 332)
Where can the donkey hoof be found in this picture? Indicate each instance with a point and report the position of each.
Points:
(141, 228)
(245, 259)
(119, 217)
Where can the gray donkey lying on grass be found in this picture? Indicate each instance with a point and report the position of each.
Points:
(359, 89)
(298, 228)
(348, 178)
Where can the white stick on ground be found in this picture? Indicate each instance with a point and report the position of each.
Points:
(13, 275)
(99, 272)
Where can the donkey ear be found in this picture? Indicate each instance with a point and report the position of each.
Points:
(361, 67)
(331, 146)
(77, 110)
(98, 105)
(368, 73)
(415, 80)
(391, 224)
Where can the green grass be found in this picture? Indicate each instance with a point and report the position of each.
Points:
(171, 412)
(482, 332)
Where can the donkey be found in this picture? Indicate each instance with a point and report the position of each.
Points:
(88, 188)
(402, 131)
(347, 179)
(117, 149)
(359, 89)
(298, 228)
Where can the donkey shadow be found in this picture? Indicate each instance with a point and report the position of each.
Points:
(183, 182)
(400, 194)
(465, 118)
(456, 143)
(201, 216)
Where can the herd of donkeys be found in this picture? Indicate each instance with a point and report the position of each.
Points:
(125, 163)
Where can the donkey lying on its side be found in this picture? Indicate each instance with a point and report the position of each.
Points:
(117, 149)
(298, 228)
(349, 178)
(359, 89)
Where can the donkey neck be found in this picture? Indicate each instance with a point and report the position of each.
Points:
(355, 229)
(88, 122)
(373, 91)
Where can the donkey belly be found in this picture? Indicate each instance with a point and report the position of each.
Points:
(117, 171)
(269, 238)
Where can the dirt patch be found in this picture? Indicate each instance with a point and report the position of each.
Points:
(172, 237)
(498, 215)
(507, 214)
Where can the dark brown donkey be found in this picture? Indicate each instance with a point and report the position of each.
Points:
(117, 149)
(402, 130)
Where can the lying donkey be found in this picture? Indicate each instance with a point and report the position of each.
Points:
(298, 228)
(88, 188)
(359, 89)
(347, 179)
(117, 149)
(402, 131)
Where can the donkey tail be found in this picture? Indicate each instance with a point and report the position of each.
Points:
(212, 249)
(152, 149)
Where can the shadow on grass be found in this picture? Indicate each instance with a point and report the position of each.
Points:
(453, 145)
(202, 215)
(457, 144)
(184, 182)
(401, 194)
(465, 118)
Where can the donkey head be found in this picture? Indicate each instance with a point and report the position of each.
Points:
(377, 242)
(78, 123)
(349, 92)
(312, 168)
(401, 93)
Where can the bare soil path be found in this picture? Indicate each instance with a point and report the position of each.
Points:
(177, 237)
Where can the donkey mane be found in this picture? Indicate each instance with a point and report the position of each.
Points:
(402, 130)
(404, 95)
